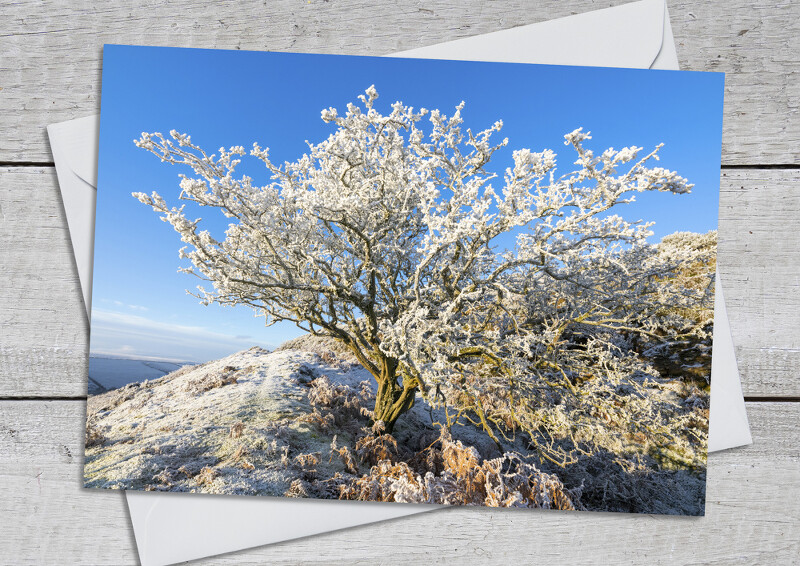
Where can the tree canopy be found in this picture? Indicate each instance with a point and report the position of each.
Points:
(518, 300)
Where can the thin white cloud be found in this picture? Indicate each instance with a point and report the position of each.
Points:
(133, 335)
(121, 304)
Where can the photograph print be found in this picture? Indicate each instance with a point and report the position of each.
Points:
(403, 280)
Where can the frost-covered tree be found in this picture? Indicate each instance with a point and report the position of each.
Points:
(500, 297)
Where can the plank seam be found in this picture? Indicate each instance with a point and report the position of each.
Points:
(27, 164)
(776, 166)
(747, 398)
(42, 398)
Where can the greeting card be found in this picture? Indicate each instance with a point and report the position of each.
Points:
(408, 280)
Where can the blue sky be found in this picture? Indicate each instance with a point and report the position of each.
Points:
(225, 98)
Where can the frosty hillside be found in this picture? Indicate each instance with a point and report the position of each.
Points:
(293, 423)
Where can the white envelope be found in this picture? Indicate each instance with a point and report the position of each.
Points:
(171, 527)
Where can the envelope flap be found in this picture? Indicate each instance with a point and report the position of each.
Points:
(77, 141)
(623, 36)
(212, 523)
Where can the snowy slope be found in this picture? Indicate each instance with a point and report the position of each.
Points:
(245, 425)
(239, 425)
(239, 418)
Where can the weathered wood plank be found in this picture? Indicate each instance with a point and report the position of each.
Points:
(44, 332)
(50, 52)
(43, 327)
(744, 41)
(759, 262)
(752, 514)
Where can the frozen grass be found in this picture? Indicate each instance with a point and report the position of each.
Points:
(464, 479)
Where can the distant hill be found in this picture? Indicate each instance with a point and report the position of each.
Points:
(107, 373)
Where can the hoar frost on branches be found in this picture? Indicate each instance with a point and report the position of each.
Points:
(387, 238)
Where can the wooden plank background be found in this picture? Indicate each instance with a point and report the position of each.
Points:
(49, 71)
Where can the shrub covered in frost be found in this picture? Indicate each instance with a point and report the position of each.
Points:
(384, 237)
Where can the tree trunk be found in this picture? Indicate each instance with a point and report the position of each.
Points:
(393, 399)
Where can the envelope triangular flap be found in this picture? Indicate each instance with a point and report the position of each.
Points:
(217, 524)
(728, 426)
(74, 147)
(627, 36)
(82, 142)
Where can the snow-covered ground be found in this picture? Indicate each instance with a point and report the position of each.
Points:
(246, 425)
(106, 373)
(237, 425)
(227, 426)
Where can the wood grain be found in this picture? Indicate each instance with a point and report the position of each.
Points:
(751, 506)
(50, 52)
(43, 350)
(759, 262)
(42, 318)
